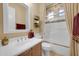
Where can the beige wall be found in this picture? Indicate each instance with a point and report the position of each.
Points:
(20, 12)
(1, 18)
(34, 11)
(42, 18)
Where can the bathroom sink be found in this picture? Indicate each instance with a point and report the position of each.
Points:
(18, 41)
(16, 47)
(21, 43)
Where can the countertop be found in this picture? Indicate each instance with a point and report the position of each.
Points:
(17, 48)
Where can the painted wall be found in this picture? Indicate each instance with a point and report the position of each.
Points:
(42, 17)
(34, 11)
(38, 9)
(1, 18)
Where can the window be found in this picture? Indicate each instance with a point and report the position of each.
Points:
(50, 16)
(55, 15)
(61, 12)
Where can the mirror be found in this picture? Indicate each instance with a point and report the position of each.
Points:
(20, 15)
(16, 17)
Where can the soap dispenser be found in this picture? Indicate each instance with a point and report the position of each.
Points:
(30, 34)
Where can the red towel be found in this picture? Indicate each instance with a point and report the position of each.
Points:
(76, 25)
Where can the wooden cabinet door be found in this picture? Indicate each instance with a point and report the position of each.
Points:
(34, 51)
(29, 53)
(37, 50)
(26, 53)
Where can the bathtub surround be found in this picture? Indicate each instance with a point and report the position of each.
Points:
(52, 49)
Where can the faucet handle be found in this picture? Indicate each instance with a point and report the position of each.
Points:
(18, 40)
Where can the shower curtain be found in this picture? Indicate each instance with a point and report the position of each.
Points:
(71, 10)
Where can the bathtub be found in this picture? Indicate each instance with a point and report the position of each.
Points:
(50, 49)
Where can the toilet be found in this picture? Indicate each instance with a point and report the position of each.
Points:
(46, 48)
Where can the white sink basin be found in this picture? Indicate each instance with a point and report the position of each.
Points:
(18, 41)
(22, 43)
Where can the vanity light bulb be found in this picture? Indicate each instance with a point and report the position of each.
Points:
(37, 22)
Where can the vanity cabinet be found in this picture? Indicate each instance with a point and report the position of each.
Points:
(34, 51)
(37, 50)
(26, 53)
